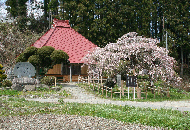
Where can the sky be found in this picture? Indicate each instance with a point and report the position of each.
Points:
(3, 11)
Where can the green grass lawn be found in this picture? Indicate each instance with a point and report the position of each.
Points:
(153, 117)
(175, 95)
(40, 92)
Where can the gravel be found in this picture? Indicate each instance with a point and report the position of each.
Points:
(67, 122)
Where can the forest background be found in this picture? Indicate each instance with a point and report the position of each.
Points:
(104, 21)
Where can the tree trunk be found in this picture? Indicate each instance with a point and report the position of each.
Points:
(37, 72)
(181, 74)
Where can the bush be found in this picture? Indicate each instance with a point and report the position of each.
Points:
(109, 83)
(21, 58)
(45, 51)
(49, 80)
(2, 75)
(30, 51)
(6, 83)
(59, 56)
(34, 60)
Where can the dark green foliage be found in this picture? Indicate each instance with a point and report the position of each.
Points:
(43, 58)
(45, 51)
(59, 56)
(39, 25)
(143, 77)
(49, 80)
(53, 5)
(34, 60)
(18, 8)
(44, 55)
(109, 83)
(13, 7)
(21, 58)
(30, 51)
(6, 83)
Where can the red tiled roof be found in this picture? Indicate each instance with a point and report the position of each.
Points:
(63, 37)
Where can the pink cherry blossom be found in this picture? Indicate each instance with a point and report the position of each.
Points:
(145, 51)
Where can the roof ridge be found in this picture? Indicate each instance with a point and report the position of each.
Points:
(49, 37)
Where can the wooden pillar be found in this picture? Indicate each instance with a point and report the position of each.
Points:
(146, 93)
(111, 92)
(78, 79)
(168, 92)
(138, 92)
(102, 89)
(122, 88)
(55, 81)
(101, 80)
(98, 88)
(120, 92)
(88, 79)
(106, 92)
(70, 73)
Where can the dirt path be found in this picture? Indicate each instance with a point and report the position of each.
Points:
(81, 96)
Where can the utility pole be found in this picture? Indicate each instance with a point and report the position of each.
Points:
(50, 18)
(166, 36)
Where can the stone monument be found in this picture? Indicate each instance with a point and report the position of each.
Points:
(24, 71)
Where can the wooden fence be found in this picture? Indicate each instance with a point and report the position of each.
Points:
(98, 84)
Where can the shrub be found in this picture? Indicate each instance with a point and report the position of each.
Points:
(34, 60)
(45, 51)
(21, 58)
(109, 83)
(59, 56)
(2, 75)
(49, 80)
(30, 51)
(6, 83)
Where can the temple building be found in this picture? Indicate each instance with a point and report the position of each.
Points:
(62, 37)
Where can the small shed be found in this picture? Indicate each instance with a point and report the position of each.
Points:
(62, 37)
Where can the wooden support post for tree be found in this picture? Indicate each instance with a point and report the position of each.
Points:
(146, 93)
(122, 88)
(93, 80)
(55, 81)
(168, 94)
(88, 79)
(101, 80)
(138, 92)
(154, 92)
(102, 89)
(158, 90)
(111, 92)
(98, 88)
(106, 92)
(120, 92)
(78, 79)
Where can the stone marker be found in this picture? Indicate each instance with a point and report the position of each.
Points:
(24, 69)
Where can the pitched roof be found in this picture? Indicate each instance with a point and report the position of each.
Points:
(63, 37)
